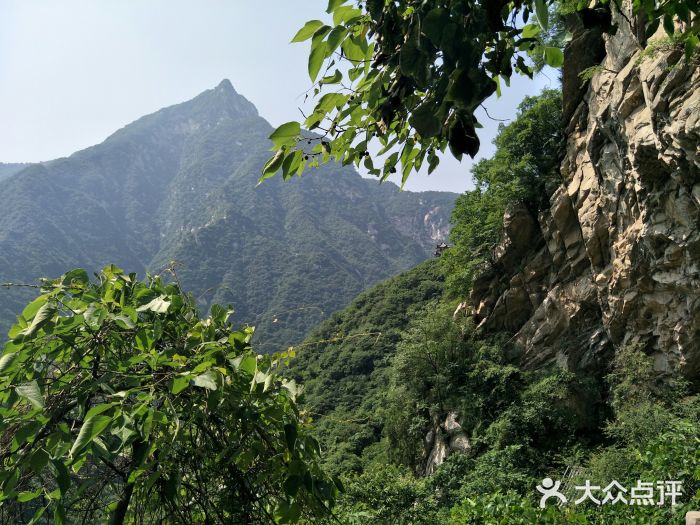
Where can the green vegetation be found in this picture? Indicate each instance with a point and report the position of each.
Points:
(534, 435)
(119, 404)
(378, 402)
(411, 75)
(343, 366)
(524, 169)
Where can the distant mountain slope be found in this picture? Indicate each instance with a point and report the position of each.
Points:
(180, 185)
(7, 170)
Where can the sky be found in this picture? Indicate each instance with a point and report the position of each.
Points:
(74, 71)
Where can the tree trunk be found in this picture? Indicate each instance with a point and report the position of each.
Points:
(137, 451)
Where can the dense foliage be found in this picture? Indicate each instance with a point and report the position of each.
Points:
(343, 366)
(411, 74)
(119, 404)
(524, 169)
(516, 419)
(535, 437)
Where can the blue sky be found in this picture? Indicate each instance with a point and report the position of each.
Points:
(74, 71)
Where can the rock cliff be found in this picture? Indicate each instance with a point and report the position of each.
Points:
(615, 260)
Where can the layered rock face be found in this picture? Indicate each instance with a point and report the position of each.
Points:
(615, 260)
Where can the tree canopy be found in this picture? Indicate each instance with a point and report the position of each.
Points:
(119, 404)
(524, 169)
(412, 74)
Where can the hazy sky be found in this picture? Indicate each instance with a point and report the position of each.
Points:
(74, 71)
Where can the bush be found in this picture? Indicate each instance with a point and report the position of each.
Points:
(117, 401)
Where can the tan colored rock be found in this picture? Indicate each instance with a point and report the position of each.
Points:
(445, 438)
(616, 258)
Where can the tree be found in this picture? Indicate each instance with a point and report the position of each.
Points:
(411, 74)
(524, 169)
(119, 404)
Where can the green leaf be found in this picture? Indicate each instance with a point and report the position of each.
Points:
(292, 484)
(334, 4)
(413, 61)
(434, 24)
(353, 51)
(291, 163)
(338, 483)
(652, 27)
(145, 340)
(530, 31)
(332, 79)
(290, 436)
(179, 384)
(37, 516)
(32, 393)
(206, 380)
(62, 476)
(59, 515)
(272, 166)
(307, 31)
(425, 120)
(553, 56)
(316, 58)
(246, 363)
(39, 460)
(92, 427)
(287, 512)
(542, 13)
(124, 321)
(42, 316)
(23, 497)
(335, 37)
(24, 433)
(75, 277)
(6, 361)
(285, 134)
(669, 26)
(344, 14)
(99, 409)
(691, 44)
(158, 305)
(32, 308)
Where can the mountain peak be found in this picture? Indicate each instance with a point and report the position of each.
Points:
(225, 98)
(226, 86)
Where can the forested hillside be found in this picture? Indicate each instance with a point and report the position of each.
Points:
(344, 364)
(432, 419)
(180, 185)
(7, 170)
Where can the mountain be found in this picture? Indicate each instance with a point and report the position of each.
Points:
(180, 185)
(7, 170)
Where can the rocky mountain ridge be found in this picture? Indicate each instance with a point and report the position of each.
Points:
(615, 260)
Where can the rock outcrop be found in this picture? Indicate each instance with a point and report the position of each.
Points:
(443, 439)
(615, 260)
